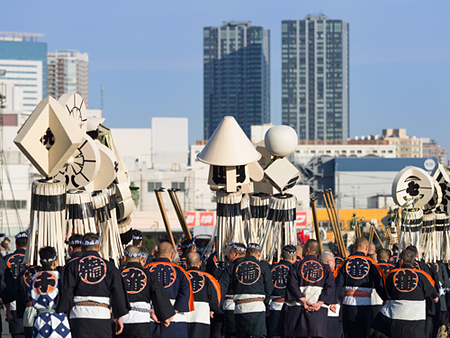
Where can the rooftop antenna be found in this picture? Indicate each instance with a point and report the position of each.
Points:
(101, 97)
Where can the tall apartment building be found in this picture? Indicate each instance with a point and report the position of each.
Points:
(236, 72)
(315, 77)
(68, 73)
(405, 146)
(430, 148)
(23, 64)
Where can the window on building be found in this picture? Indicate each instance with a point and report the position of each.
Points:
(359, 151)
(178, 185)
(151, 186)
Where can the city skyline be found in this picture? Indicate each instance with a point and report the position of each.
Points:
(398, 68)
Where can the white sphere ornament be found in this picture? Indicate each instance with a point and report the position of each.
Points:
(281, 140)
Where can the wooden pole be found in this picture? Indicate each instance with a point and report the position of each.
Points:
(329, 218)
(378, 236)
(338, 227)
(316, 223)
(180, 215)
(164, 215)
(371, 234)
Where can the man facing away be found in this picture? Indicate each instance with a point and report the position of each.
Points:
(91, 285)
(236, 255)
(147, 297)
(404, 316)
(310, 289)
(279, 279)
(252, 286)
(178, 287)
(358, 276)
(75, 251)
(15, 263)
(207, 298)
(334, 325)
(44, 291)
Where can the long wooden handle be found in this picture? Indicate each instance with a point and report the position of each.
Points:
(164, 216)
(180, 215)
(316, 223)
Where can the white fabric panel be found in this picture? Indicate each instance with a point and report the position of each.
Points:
(12, 306)
(179, 317)
(275, 306)
(357, 301)
(28, 316)
(250, 307)
(312, 293)
(375, 298)
(228, 305)
(200, 315)
(134, 317)
(405, 310)
(93, 312)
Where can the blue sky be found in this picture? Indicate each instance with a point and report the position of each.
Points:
(148, 55)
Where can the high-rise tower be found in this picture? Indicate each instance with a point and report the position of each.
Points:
(68, 73)
(236, 74)
(315, 77)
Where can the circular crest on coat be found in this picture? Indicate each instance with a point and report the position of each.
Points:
(197, 281)
(248, 273)
(357, 267)
(281, 272)
(405, 280)
(91, 269)
(135, 280)
(166, 273)
(312, 271)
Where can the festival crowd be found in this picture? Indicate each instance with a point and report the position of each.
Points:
(181, 294)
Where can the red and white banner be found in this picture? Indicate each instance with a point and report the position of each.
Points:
(190, 219)
(207, 218)
(302, 218)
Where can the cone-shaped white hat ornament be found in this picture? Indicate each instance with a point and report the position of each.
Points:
(228, 146)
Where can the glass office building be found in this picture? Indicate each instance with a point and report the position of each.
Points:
(236, 74)
(315, 77)
(24, 47)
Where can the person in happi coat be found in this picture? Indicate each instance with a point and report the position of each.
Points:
(393, 258)
(236, 255)
(7, 289)
(404, 315)
(334, 322)
(44, 291)
(137, 237)
(25, 308)
(383, 261)
(310, 291)
(15, 263)
(279, 279)
(252, 286)
(91, 286)
(187, 246)
(357, 277)
(75, 250)
(178, 287)
(207, 298)
(147, 297)
(213, 266)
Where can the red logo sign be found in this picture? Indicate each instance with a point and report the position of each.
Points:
(302, 218)
(207, 218)
(190, 219)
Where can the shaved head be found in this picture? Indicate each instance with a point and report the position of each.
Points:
(362, 245)
(372, 249)
(193, 259)
(165, 249)
(311, 248)
(383, 255)
(327, 257)
(299, 251)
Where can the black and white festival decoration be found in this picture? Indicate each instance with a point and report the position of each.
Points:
(259, 206)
